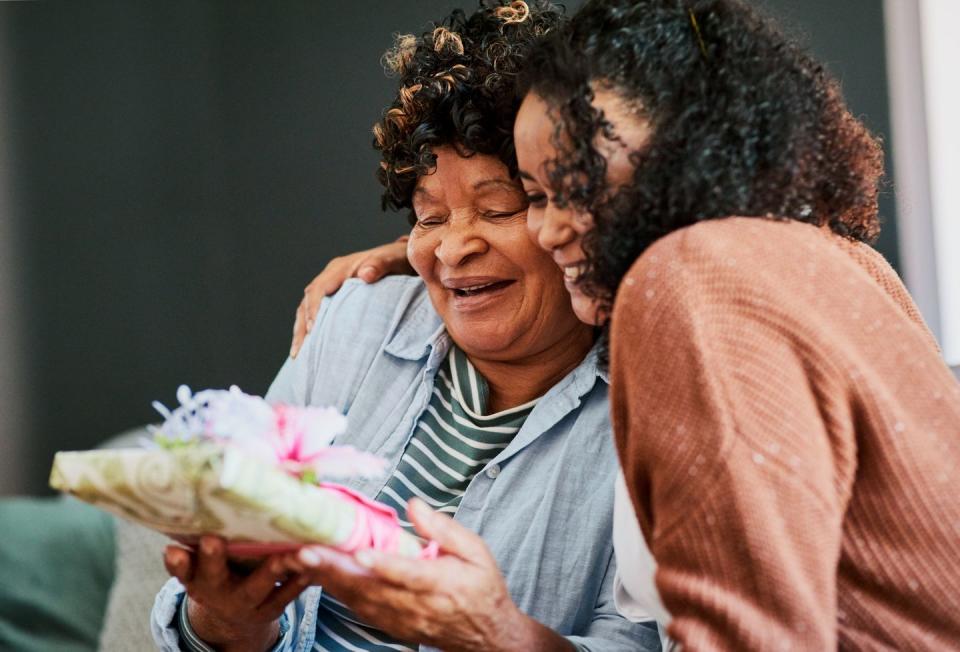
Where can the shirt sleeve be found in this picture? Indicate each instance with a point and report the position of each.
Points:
(609, 631)
(738, 473)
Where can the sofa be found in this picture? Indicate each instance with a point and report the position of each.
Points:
(74, 578)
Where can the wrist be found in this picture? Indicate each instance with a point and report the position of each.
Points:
(230, 636)
(517, 631)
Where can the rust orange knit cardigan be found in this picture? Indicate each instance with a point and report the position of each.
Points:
(790, 438)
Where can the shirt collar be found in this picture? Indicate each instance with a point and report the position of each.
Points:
(589, 370)
(416, 330)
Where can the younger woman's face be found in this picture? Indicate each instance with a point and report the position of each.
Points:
(560, 231)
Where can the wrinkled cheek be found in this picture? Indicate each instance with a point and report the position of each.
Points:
(420, 255)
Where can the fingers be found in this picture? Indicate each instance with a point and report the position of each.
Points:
(454, 539)
(384, 260)
(411, 574)
(273, 606)
(312, 297)
(179, 563)
(292, 564)
(331, 568)
(299, 331)
(370, 266)
(327, 282)
(259, 586)
(211, 566)
(370, 272)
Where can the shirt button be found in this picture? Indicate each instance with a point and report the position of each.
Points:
(493, 471)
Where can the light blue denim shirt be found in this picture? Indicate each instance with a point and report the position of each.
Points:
(544, 505)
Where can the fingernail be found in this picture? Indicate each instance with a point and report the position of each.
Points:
(367, 272)
(207, 546)
(293, 351)
(309, 556)
(276, 567)
(416, 505)
(364, 558)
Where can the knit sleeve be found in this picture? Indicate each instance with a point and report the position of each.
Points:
(736, 465)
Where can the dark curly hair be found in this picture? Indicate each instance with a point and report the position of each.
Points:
(743, 123)
(457, 87)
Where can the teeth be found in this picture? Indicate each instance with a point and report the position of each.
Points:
(475, 288)
(572, 272)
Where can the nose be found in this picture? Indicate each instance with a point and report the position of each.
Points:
(461, 239)
(555, 229)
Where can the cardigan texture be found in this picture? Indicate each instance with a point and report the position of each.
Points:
(790, 439)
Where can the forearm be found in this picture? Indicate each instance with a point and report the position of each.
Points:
(231, 637)
(524, 633)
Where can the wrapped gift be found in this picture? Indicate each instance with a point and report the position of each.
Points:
(229, 464)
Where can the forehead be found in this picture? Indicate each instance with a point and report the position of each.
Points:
(534, 128)
(479, 173)
(536, 123)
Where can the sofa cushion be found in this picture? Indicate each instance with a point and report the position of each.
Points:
(57, 561)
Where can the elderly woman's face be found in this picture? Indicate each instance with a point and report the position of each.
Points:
(560, 231)
(499, 294)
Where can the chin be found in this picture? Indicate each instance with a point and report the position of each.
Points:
(586, 308)
(481, 339)
(483, 347)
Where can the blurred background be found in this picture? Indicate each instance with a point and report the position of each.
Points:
(173, 173)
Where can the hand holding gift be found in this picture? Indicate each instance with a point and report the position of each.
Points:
(230, 609)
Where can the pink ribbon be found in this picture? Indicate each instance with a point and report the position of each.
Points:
(377, 525)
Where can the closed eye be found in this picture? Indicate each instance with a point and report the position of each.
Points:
(500, 214)
(430, 220)
(537, 199)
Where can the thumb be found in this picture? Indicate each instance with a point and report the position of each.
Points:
(453, 538)
(370, 272)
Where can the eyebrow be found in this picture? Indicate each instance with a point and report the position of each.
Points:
(487, 183)
(525, 175)
(422, 192)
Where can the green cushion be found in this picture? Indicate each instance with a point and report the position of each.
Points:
(56, 565)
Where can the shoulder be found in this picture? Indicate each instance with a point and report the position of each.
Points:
(389, 292)
(381, 308)
(353, 329)
(360, 320)
(733, 260)
(732, 246)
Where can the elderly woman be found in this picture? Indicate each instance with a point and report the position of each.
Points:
(475, 381)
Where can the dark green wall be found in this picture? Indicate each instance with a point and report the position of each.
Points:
(182, 169)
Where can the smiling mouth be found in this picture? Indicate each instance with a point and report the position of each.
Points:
(482, 288)
(572, 273)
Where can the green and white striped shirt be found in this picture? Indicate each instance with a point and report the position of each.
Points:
(452, 442)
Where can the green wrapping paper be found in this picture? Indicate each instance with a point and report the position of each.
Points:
(210, 489)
